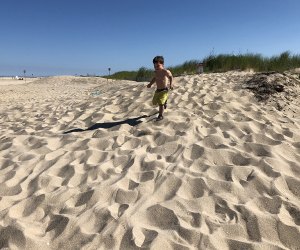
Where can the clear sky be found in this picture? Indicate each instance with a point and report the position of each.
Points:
(55, 37)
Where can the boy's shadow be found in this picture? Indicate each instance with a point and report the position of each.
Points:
(132, 122)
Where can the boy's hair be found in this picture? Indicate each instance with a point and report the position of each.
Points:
(159, 59)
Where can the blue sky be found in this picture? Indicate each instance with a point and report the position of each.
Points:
(79, 37)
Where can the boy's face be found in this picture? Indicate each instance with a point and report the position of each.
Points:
(158, 66)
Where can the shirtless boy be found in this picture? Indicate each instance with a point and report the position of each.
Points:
(161, 78)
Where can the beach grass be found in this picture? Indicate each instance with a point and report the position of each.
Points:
(224, 62)
(220, 63)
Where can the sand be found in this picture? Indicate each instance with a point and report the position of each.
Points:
(83, 165)
(13, 81)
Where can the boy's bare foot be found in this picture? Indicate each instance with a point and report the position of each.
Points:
(159, 118)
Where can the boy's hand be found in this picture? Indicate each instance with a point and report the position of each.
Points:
(171, 87)
(149, 85)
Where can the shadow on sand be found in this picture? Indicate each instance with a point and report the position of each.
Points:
(132, 122)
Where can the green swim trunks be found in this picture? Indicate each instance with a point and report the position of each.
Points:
(160, 97)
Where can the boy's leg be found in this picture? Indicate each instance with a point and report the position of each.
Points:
(161, 110)
(165, 105)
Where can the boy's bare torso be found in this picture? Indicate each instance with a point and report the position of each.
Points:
(162, 77)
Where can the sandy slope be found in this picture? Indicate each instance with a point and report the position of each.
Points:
(83, 165)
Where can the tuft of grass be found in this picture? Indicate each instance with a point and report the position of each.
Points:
(123, 75)
(220, 63)
(225, 62)
(144, 74)
(187, 68)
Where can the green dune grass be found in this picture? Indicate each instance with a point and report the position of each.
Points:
(219, 63)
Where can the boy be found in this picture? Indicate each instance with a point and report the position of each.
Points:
(162, 76)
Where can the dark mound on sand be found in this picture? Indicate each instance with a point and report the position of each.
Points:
(274, 87)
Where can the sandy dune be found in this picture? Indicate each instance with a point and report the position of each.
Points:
(83, 165)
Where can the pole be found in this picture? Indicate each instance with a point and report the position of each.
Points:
(24, 75)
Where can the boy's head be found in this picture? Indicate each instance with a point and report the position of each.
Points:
(158, 62)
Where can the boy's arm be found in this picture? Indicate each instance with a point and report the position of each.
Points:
(151, 82)
(170, 76)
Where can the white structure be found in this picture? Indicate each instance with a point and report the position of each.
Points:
(200, 68)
